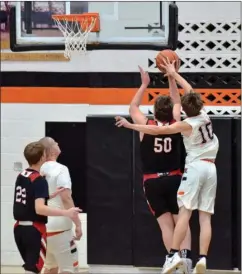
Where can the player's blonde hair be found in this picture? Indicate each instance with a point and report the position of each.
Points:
(48, 144)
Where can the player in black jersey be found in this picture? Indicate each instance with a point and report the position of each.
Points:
(30, 210)
(161, 158)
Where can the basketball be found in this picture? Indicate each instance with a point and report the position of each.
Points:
(171, 55)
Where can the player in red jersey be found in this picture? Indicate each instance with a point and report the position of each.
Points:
(161, 158)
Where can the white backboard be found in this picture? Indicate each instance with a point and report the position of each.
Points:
(137, 23)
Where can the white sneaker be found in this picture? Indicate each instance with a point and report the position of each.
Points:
(172, 263)
(186, 268)
(200, 267)
(189, 265)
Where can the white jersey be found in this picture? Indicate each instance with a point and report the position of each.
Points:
(57, 175)
(202, 143)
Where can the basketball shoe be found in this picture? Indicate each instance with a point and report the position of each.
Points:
(172, 263)
(201, 266)
(186, 268)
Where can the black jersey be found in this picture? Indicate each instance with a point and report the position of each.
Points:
(29, 186)
(160, 153)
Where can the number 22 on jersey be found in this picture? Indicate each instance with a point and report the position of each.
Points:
(20, 195)
(163, 145)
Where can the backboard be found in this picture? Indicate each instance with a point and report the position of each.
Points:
(124, 25)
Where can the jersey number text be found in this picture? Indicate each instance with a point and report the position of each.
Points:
(163, 145)
(20, 195)
(206, 132)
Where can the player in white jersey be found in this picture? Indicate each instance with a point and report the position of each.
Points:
(61, 249)
(199, 181)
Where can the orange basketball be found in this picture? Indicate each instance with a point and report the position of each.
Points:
(164, 54)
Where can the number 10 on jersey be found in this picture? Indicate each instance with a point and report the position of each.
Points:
(163, 145)
(206, 132)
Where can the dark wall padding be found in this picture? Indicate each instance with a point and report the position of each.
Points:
(121, 230)
(148, 248)
(222, 219)
(236, 183)
(71, 139)
(109, 192)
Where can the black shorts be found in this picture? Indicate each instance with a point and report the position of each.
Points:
(161, 194)
(31, 243)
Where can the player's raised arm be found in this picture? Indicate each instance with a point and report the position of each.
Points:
(175, 96)
(171, 71)
(137, 116)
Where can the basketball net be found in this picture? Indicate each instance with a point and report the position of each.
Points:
(75, 30)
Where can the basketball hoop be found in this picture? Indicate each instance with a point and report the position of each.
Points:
(75, 29)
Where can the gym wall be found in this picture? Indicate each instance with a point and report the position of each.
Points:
(70, 101)
(107, 183)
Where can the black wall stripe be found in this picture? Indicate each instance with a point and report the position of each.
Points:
(114, 79)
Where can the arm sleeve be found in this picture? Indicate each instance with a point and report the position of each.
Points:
(41, 188)
(64, 179)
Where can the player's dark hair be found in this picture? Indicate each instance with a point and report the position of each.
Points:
(192, 104)
(163, 108)
(33, 153)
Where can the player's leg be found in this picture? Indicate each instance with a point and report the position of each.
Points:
(204, 242)
(166, 225)
(186, 244)
(35, 242)
(206, 209)
(18, 235)
(187, 201)
(54, 270)
(185, 251)
(65, 251)
(187, 197)
(185, 248)
(174, 184)
(153, 190)
(50, 266)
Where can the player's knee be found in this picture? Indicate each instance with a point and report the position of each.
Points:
(166, 219)
(204, 218)
(184, 212)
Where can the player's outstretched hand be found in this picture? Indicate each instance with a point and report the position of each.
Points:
(73, 212)
(121, 122)
(57, 192)
(145, 78)
(168, 67)
(78, 233)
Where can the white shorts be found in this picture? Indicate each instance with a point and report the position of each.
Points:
(62, 252)
(198, 187)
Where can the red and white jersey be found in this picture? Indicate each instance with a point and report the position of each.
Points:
(57, 175)
(202, 143)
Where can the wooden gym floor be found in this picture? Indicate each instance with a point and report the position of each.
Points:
(19, 270)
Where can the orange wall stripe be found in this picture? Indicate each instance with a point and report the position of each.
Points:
(106, 96)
